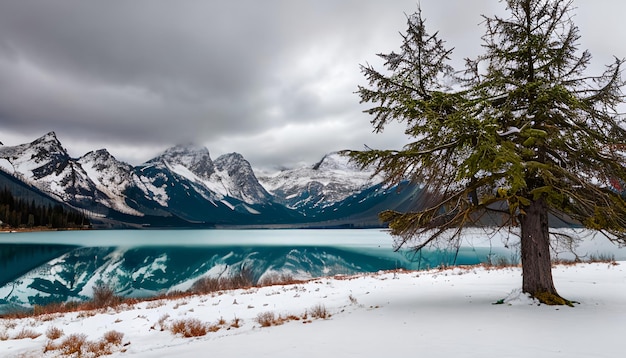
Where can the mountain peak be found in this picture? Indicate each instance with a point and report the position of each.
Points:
(100, 153)
(48, 138)
(51, 135)
(188, 148)
(230, 157)
(193, 157)
(235, 169)
(336, 161)
(102, 159)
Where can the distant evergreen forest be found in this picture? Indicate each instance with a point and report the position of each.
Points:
(18, 213)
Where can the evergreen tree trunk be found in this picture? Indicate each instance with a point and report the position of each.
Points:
(535, 246)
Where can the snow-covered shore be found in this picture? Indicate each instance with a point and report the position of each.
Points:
(437, 313)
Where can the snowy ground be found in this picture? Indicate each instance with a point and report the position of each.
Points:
(446, 313)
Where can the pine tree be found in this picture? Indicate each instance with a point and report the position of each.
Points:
(522, 132)
(17, 212)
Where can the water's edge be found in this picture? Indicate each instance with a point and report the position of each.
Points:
(44, 267)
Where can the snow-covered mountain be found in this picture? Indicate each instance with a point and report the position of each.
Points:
(228, 176)
(46, 165)
(331, 180)
(111, 177)
(236, 178)
(188, 184)
(184, 186)
(191, 157)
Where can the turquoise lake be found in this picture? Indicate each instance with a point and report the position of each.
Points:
(44, 267)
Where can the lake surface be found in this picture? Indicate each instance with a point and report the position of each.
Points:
(45, 267)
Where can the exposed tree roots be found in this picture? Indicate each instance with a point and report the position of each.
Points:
(552, 299)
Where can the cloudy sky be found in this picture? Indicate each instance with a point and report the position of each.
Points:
(273, 80)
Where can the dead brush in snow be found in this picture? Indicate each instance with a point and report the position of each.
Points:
(268, 319)
(77, 345)
(274, 279)
(242, 279)
(180, 303)
(155, 304)
(319, 311)
(26, 333)
(161, 322)
(10, 324)
(50, 346)
(236, 323)
(54, 333)
(592, 258)
(191, 327)
(104, 296)
(499, 262)
(113, 337)
(72, 345)
(206, 285)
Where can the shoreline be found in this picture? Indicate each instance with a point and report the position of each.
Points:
(38, 229)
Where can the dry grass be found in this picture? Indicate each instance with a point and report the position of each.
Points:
(113, 338)
(97, 349)
(593, 258)
(180, 303)
(77, 345)
(104, 296)
(268, 319)
(499, 262)
(292, 317)
(243, 279)
(190, 327)
(214, 328)
(49, 309)
(26, 333)
(54, 333)
(193, 327)
(161, 322)
(50, 346)
(319, 311)
(278, 279)
(73, 344)
(206, 285)
(10, 324)
(155, 304)
(236, 322)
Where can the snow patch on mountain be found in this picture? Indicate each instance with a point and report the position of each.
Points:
(195, 158)
(32, 160)
(45, 164)
(111, 177)
(331, 180)
(153, 187)
(235, 176)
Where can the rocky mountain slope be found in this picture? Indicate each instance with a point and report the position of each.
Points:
(184, 186)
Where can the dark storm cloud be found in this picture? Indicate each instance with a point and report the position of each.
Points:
(271, 79)
(141, 69)
(142, 55)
